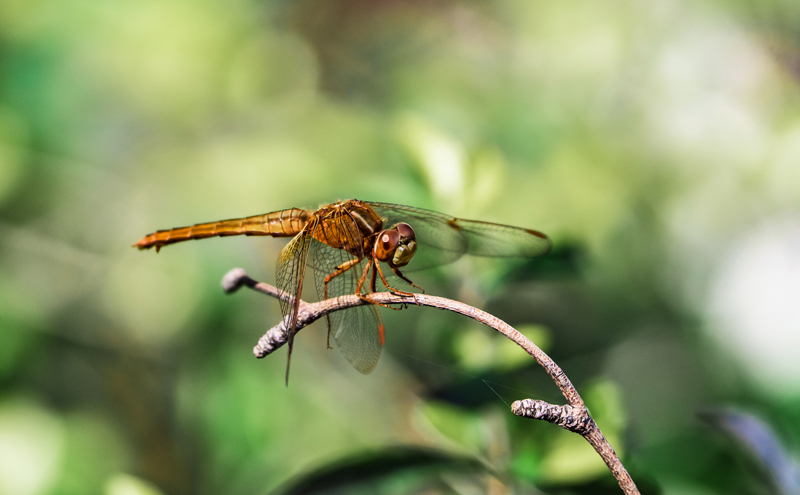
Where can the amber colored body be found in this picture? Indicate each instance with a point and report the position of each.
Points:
(356, 238)
(284, 223)
(350, 226)
(347, 241)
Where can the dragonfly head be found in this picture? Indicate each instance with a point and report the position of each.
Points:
(396, 246)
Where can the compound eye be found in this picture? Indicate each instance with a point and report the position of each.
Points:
(406, 231)
(404, 253)
(386, 244)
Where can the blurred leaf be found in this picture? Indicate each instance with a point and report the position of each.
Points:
(762, 444)
(19, 342)
(152, 305)
(31, 448)
(94, 450)
(510, 356)
(13, 151)
(410, 467)
(439, 156)
(604, 398)
(479, 350)
(474, 349)
(488, 172)
(562, 262)
(571, 460)
(526, 464)
(460, 426)
(125, 484)
(252, 75)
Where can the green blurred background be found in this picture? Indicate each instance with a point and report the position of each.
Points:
(657, 143)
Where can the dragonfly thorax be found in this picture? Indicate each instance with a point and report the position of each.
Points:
(349, 225)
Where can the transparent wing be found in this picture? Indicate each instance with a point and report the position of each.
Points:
(289, 275)
(289, 278)
(357, 331)
(444, 239)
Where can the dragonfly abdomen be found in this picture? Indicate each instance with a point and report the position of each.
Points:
(284, 223)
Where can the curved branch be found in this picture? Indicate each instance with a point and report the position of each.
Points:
(574, 416)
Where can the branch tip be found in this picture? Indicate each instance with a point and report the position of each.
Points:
(233, 280)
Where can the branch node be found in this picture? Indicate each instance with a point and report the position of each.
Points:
(570, 418)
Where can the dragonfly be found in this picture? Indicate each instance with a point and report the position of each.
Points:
(346, 243)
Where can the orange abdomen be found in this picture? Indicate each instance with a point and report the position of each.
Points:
(284, 223)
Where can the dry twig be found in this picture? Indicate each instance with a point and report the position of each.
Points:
(573, 417)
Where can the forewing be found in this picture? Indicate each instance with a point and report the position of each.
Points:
(452, 237)
(439, 240)
(355, 330)
(503, 241)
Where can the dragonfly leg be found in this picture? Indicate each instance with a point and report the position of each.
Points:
(383, 279)
(372, 283)
(363, 279)
(397, 272)
(339, 270)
